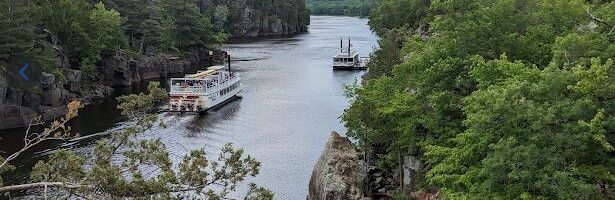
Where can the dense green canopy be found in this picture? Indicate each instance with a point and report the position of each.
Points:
(360, 8)
(507, 99)
(84, 31)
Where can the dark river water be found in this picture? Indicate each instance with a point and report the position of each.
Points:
(291, 102)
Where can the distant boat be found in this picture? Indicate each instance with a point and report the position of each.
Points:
(203, 90)
(348, 59)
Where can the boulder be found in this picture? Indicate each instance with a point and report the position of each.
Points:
(339, 174)
(73, 80)
(48, 81)
(115, 70)
(152, 67)
(411, 167)
(52, 97)
(50, 113)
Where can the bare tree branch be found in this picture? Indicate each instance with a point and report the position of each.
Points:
(12, 188)
(51, 133)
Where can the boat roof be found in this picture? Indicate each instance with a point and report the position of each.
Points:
(204, 73)
(216, 67)
(201, 74)
(345, 54)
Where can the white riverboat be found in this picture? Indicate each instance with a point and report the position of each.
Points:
(203, 90)
(348, 59)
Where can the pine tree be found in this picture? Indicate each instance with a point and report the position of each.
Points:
(157, 28)
(17, 30)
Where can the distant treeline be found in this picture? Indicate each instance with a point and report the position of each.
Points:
(341, 7)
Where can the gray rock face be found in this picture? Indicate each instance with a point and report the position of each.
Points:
(3, 86)
(15, 116)
(115, 71)
(73, 80)
(14, 96)
(255, 18)
(119, 71)
(411, 167)
(18, 107)
(339, 174)
(48, 81)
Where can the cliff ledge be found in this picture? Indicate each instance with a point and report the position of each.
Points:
(339, 174)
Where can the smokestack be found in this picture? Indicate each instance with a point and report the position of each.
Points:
(229, 63)
(341, 45)
(348, 46)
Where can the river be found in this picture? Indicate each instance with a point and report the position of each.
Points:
(291, 102)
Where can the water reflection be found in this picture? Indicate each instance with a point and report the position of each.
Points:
(199, 124)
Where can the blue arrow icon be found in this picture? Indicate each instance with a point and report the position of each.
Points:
(23, 69)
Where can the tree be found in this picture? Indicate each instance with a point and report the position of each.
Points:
(157, 28)
(195, 177)
(85, 32)
(392, 14)
(220, 17)
(19, 36)
(490, 90)
(133, 16)
(106, 37)
(359, 8)
(525, 130)
(193, 29)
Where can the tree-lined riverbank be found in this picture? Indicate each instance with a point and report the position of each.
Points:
(493, 99)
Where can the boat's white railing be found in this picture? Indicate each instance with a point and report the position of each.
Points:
(180, 85)
(222, 82)
(187, 89)
(187, 85)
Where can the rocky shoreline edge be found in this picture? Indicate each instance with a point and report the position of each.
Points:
(341, 173)
(19, 107)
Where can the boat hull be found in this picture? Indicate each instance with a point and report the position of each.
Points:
(348, 68)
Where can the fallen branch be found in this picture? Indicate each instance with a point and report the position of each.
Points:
(12, 188)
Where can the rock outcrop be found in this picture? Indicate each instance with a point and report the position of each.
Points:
(256, 18)
(339, 174)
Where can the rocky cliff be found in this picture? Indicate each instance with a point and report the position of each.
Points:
(19, 106)
(339, 174)
(258, 18)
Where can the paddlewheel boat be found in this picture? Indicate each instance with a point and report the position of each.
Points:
(348, 59)
(203, 90)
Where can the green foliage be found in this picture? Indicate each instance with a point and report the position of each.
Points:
(19, 36)
(387, 162)
(400, 195)
(194, 30)
(516, 130)
(359, 8)
(6, 168)
(63, 166)
(392, 14)
(220, 17)
(17, 30)
(85, 31)
(502, 99)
